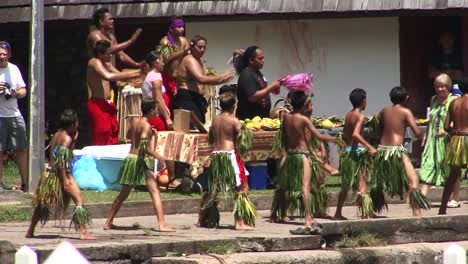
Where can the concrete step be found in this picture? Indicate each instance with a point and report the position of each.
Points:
(419, 253)
(190, 206)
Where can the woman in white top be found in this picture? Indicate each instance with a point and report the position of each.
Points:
(153, 87)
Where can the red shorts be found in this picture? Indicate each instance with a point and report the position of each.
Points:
(103, 121)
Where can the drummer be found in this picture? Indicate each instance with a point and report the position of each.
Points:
(253, 91)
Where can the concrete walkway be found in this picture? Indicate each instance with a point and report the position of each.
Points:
(136, 237)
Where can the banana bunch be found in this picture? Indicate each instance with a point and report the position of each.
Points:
(270, 124)
(257, 123)
(327, 122)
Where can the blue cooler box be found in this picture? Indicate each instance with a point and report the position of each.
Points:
(258, 175)
(108, 161)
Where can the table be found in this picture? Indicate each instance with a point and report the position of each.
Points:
(193, 148)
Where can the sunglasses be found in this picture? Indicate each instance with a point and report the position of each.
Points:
(4, 45)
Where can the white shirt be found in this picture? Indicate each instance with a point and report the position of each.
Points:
(12, 75)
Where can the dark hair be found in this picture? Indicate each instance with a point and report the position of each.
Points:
(243, 60)
(398, 95)
(463, 85)
(147, 104)
(226, 89)
(197, 38)
(152, 56)
(357, 96)
(101, 47)
(67, 118)
(227, 101)
(298, 99)
(98, 15)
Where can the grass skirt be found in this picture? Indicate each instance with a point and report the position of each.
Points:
(457, 150)
(50, 194)
(132, 172)
(244, 209)
(81, 217)
(389, 171)
(221, 180)
(365, 206)
(288, 198)
(353, 163)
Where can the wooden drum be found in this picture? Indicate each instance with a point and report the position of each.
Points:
(129, 108)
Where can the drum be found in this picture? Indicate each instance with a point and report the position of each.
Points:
(129, 108)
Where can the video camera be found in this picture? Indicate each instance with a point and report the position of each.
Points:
(6, 90)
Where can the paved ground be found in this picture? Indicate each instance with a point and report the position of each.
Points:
(142, 228)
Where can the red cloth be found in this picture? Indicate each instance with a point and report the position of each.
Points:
(240, 164)
(170, 85)
(158, 123)
(103, 121)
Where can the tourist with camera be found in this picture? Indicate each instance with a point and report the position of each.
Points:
(12, 126)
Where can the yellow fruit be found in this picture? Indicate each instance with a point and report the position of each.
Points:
(326, 123)
(256, 119)
(250, 125)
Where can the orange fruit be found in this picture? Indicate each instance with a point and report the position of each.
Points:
(163, 177)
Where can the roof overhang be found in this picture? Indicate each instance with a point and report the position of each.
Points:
(19, 10)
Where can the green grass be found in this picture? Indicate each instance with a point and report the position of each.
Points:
(222, 248)
(11, 177)
(9, 213)
(363, 239)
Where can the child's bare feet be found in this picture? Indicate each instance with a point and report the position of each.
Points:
(165, 228)
(339, 218)
(108, 226)
(87, 236)
(240, 225)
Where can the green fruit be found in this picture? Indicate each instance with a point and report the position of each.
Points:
(247, 120)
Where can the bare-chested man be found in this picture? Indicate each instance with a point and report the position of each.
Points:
(456, 154)
(294, 193)
(137, 168)
(393, 168)
(174, 45)
(356, 158)
(227, 172)
(102, 113)
(104, 23)
(190, 78)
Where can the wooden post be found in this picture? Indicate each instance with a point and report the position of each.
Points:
(36, 138)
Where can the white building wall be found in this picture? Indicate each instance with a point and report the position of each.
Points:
(343, 54)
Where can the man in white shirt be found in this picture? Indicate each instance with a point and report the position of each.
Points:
(12, 127)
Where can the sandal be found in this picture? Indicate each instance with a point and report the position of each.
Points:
(453, 204)
(301, 231)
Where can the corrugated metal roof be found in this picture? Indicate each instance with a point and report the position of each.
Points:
(18, 10)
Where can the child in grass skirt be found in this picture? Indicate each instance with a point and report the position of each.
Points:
(298, 186)
(456, 154)
(393, 171)
(138, 167)
(356, 159)
(227, 175)
(57, 186)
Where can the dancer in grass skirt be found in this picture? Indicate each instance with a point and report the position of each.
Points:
(457, 150)
(393, 171)
(227, 175)
(297, 192)
(57, 187)
(138, 167)
(356, 162)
